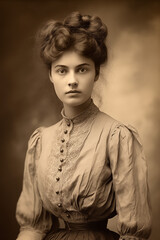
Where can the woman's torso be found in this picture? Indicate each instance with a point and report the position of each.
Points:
(74, 174)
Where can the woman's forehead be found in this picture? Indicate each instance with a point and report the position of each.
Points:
(71, 58)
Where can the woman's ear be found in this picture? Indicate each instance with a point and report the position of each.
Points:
(97, 73)
(96, 77)
(50, 76)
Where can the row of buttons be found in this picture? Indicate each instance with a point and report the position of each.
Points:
(60, 167)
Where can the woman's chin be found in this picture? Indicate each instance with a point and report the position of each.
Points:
(73, 102)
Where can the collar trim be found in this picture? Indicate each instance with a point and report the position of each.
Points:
(90, 110)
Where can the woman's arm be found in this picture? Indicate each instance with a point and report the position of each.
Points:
(129, 172)
(33, 219)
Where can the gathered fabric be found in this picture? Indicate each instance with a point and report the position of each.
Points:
(91, 230)
(101, 225)
(83, 170)
(83, 235)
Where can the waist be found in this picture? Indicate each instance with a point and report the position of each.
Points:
(98, 225)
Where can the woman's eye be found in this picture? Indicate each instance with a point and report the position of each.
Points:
(82, 70)
(61, 71)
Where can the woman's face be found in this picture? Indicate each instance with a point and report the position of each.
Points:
(73, 77)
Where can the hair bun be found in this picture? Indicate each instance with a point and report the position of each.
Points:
(46, 33)
(62, 38)
(98, 29)
(91, 25)
(74, 20)
(85, 33)
(86, 21)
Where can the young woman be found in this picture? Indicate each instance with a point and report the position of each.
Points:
(88, 167)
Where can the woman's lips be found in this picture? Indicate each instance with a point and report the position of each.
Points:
(72, 91)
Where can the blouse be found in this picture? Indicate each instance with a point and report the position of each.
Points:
(87, 168)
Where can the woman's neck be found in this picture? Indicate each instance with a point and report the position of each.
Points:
(72, 111)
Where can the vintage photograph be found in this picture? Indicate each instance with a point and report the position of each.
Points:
(80, 120)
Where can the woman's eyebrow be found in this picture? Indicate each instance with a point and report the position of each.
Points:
(60, 66)
(83, 64)
(80, 65)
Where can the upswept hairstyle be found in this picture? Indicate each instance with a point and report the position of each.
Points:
(84, 33)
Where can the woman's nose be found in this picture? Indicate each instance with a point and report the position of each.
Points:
(73, 84)
(72, 81)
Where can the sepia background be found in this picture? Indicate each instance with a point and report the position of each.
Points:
(128, 89)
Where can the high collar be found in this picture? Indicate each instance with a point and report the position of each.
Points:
(90, 110)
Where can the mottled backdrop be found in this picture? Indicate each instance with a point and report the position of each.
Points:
(129, 86)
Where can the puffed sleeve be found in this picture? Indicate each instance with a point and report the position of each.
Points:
(33, 219)
(129, 170)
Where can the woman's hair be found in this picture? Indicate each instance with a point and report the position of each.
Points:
(84, 33)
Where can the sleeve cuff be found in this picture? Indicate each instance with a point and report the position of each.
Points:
(30, 234)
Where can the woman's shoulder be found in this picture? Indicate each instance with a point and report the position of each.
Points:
(43, 131)
(118, 128)
(107, 120)
(52, 129)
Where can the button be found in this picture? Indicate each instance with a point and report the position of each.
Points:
(57, 192)
(60, 169)
(65, 132)
(61, 150)
(59, 204)
(61, 160)
(57, 178)
(62, 140)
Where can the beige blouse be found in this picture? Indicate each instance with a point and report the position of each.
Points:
(85, 169)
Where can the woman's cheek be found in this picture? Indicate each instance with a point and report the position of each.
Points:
(57, 90)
